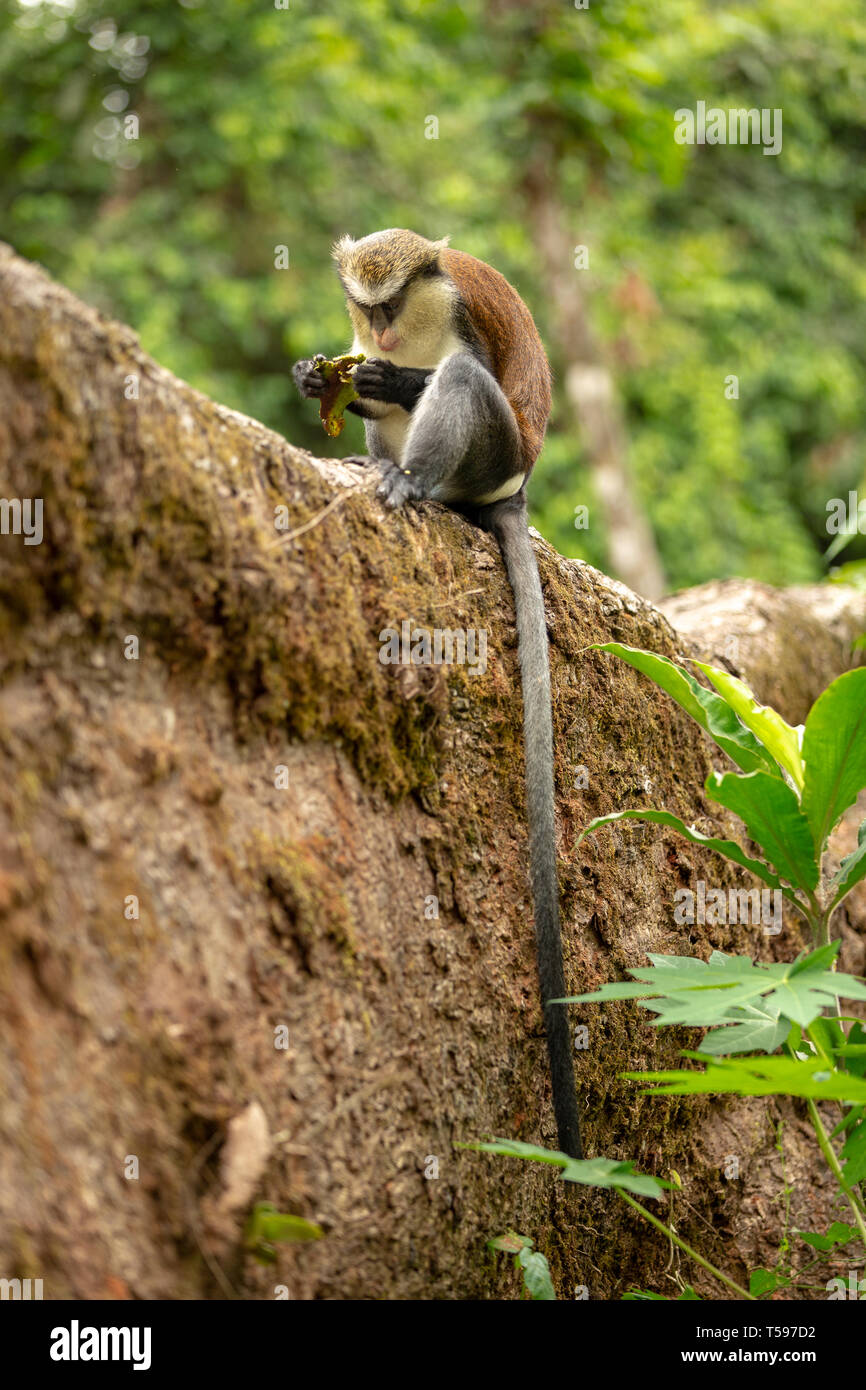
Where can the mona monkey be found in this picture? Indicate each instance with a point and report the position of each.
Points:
(455, 396)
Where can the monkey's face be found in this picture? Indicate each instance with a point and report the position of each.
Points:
(399, 301)
(413, 319)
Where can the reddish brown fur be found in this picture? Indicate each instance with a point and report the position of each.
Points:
(511, 339)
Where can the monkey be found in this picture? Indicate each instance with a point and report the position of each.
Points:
(455, 396)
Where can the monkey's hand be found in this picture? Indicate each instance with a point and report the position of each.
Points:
(378, 380)
(309, 379)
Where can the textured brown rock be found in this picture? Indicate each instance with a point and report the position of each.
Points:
(166, 909)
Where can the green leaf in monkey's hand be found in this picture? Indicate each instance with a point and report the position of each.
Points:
(339, 392)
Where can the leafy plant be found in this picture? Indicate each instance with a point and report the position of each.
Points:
(531, 1263)
(792, 788)
(746, 1004)
(267, 1227)
(610, 1173)
(794, 784)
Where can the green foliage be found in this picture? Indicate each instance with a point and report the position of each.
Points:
(590, 1172)
(794, 801)
(762, 1281)
(747, 1004)
(262, 128)
(268, 1227)
(837, 1234)
(713, 713)
(834, 751)
(770, 729)
(532, 1264)
(758, 1076)
(790, 794)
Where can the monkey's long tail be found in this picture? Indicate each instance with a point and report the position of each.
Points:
(509, 523)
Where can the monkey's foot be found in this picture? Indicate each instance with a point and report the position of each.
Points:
(398, 485)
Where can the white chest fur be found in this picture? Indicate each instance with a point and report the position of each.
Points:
(392, 421)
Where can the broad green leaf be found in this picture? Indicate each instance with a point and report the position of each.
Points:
(834, 753)
(851, 870)
(771, 813)
(729, 848)
(706, 707)
(756, 1076)
(591, 1172)
(536, 1276)
(764, 997)
(779, 738)
(762, 1281)
(837, 1234)
(760, 1031)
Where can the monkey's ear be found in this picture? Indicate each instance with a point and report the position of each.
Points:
(442, 243)
(342, 248)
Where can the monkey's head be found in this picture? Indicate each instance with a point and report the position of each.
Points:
(396, 291)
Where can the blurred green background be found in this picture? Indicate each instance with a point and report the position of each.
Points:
(262, 127)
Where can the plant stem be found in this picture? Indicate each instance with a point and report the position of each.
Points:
(693, 1254)
(833, 1163)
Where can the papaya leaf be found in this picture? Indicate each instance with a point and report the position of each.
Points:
(759, 1031)
(834, 754)
(736, 990)
(771, 813)
(707, 708)
(780, 739)
(756, 1076)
